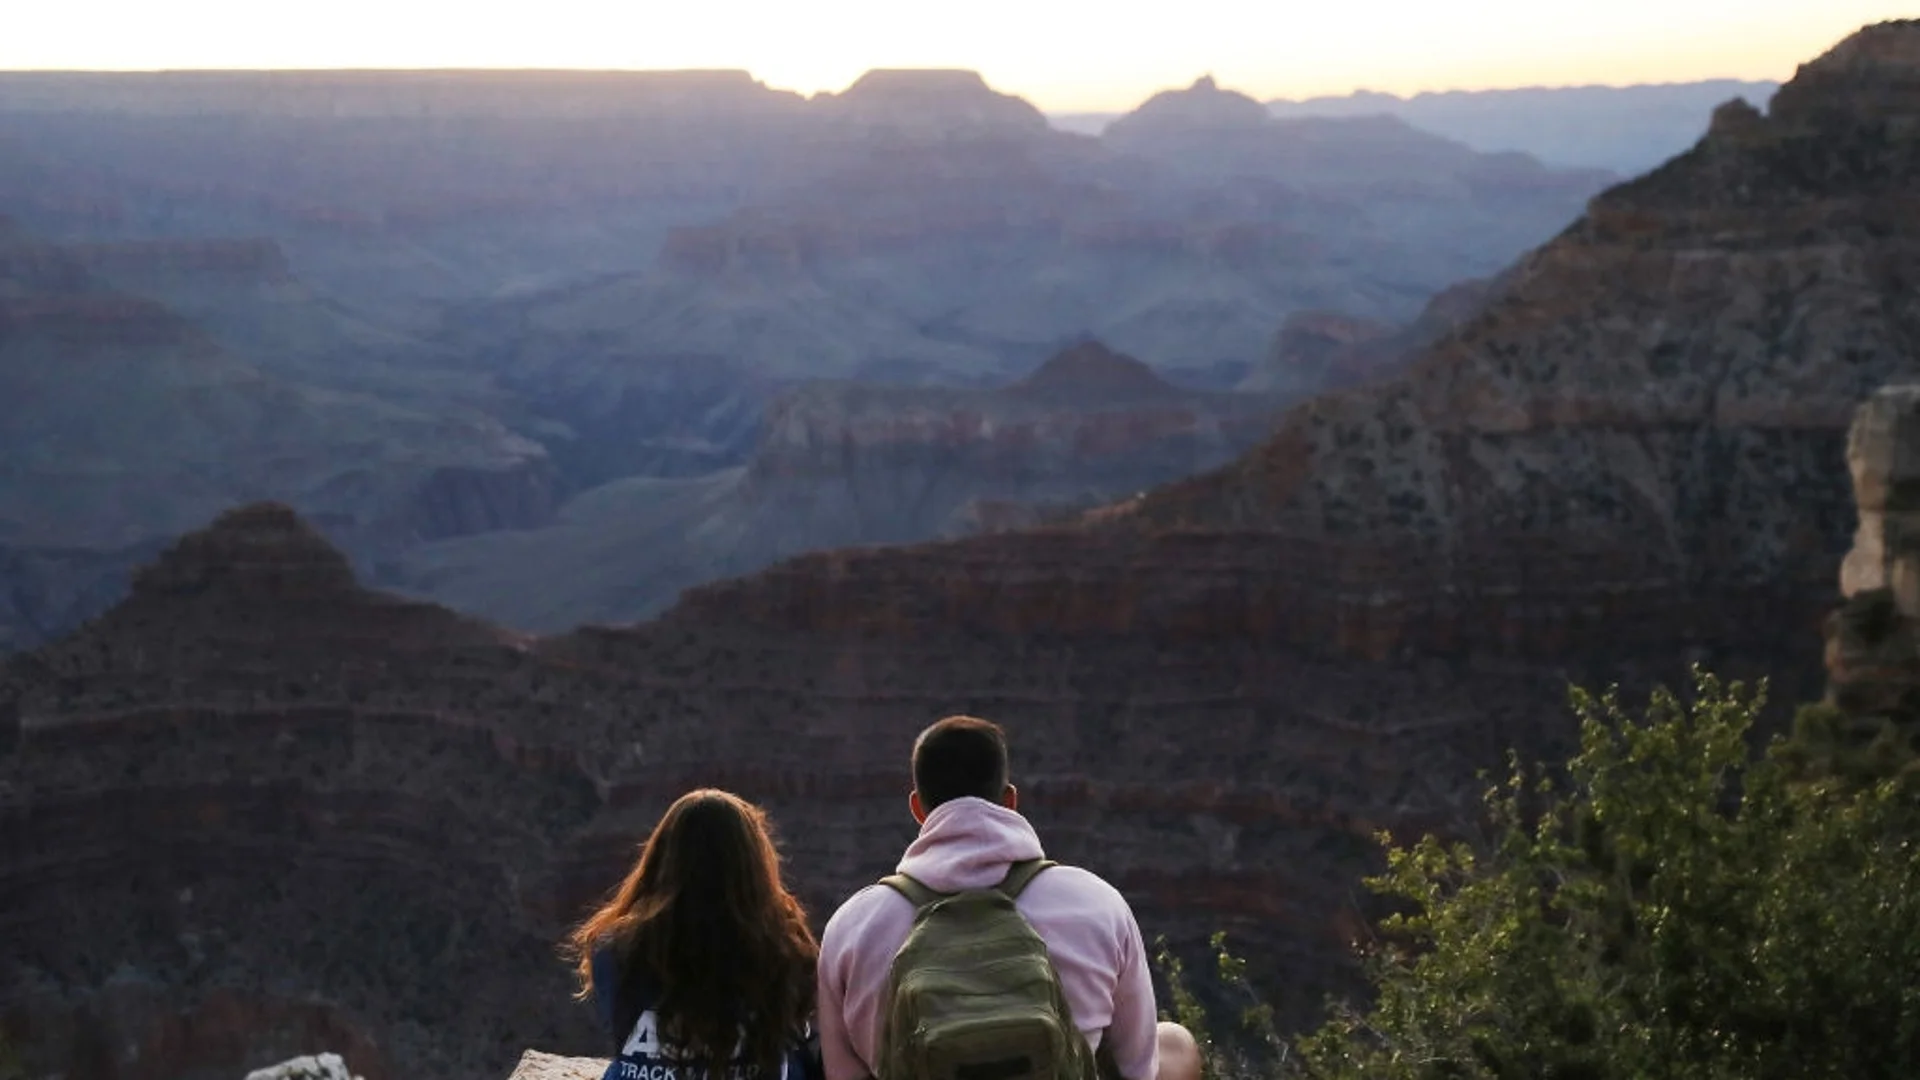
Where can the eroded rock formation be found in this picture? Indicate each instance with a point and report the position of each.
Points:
(1873, 639)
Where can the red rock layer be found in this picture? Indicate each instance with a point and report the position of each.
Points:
(274, 779)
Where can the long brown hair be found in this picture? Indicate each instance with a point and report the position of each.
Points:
(703, 915)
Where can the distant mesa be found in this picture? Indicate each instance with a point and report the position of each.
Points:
(1200, 106)
(1624, 129)
(333, 95)
(932, 101)
(931, 84)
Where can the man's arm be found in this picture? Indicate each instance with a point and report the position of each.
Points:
(1131, 1035)
(836, 1045)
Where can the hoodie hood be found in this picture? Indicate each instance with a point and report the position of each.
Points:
(968, 843)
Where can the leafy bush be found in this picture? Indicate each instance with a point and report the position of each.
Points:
(1253, 1046)
(1670, 907)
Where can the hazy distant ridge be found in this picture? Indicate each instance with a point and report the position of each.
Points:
(1628, 129)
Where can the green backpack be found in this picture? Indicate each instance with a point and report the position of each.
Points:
(972, 994)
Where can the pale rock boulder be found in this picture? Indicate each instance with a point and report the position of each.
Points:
(535, 1065)
(306, 1067)
(1883, 454)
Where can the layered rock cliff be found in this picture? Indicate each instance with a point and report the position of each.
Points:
(841, 464)
(324, 816)
(1641, 432)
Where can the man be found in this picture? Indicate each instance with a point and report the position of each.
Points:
(970, 833)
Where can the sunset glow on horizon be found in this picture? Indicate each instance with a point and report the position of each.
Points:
(1063, 55)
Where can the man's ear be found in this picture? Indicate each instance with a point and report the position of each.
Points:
(1010, 798)
(918, 808)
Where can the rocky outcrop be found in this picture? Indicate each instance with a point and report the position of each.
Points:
(535, 1065)
(306, 1067)
(1873, 639)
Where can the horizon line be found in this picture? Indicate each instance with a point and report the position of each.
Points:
(757, 81)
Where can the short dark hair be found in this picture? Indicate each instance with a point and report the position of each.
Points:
(957, 757)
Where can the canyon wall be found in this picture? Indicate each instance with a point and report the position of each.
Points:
(259, 779)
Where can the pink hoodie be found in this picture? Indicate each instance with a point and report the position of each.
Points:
(968, 844)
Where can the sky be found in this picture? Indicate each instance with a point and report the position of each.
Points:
(1063, 55)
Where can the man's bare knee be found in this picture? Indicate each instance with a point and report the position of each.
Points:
(1179, 1053)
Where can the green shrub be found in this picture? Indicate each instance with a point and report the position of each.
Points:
(1252, 1046)
(1670, 907)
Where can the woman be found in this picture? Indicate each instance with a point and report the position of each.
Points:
(702, 958)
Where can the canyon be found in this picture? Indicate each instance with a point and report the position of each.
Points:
(1627, 452)
(841, 464)
(534, 305)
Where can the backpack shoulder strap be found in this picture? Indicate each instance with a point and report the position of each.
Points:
(917, 894)
(1020, 874)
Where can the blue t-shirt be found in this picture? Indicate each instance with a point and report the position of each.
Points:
(642, 1055)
